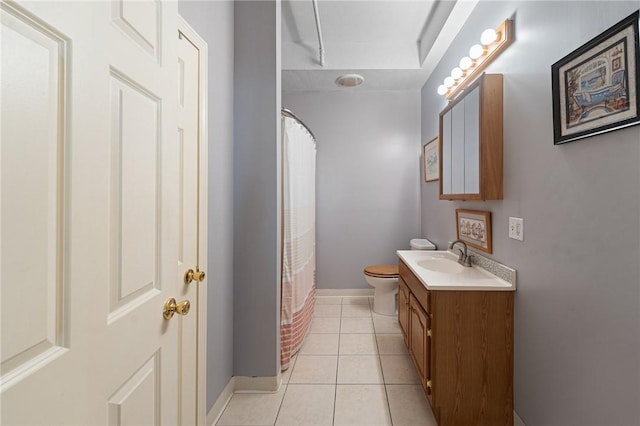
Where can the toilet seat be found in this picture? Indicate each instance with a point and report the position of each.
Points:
(382, 271)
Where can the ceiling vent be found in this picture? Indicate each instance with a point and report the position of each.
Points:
(350, 80)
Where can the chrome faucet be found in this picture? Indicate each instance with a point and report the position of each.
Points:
(463, 258)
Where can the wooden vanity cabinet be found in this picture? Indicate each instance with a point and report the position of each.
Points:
(461, 343)
(470, 130)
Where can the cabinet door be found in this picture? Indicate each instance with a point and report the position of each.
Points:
(457, 148)
(418, 330)
(403, 309)
(429, 376)
(472, 142)
(446, 153)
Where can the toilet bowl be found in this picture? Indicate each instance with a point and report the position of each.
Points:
(384, 280)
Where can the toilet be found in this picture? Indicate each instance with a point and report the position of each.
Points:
(384, 280)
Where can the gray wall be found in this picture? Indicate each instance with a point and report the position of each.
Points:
(257, 189)
(367, 178)
(577, 314)
(214, 22)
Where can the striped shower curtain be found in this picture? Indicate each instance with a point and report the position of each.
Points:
(299, 236)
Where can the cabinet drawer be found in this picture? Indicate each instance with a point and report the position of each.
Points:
(422, 295)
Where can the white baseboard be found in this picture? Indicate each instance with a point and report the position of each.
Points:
(344, 292)
(517, 421)
(244, 384)
(221, 403)
(241, 384)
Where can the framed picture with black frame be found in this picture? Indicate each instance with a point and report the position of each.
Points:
(595, 87)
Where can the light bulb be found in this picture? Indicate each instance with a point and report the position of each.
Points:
(488, 36)
(448, 82)
(442, 89)
(465, 63)
(476, 51)
(456, 73)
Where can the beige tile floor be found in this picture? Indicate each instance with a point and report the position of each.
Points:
(352, 370)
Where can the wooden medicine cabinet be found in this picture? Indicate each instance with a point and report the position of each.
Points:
(471, 142)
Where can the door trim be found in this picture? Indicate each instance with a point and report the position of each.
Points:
(201, 372)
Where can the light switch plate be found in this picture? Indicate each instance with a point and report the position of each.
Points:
(516, 228)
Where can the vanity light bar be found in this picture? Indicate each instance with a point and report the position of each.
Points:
(494, 42)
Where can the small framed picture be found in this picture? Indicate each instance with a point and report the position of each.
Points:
(430, 155)
(474, 228)
(595, 87)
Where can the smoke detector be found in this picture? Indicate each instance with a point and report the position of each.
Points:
(350, 80)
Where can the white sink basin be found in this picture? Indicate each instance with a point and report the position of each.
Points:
(444, 266)
(440, 270)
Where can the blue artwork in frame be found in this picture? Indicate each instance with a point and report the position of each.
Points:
(595, 87)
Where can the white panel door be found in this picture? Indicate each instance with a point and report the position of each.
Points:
(89, 213)
(192, 212)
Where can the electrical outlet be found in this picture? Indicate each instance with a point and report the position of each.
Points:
(516, 228)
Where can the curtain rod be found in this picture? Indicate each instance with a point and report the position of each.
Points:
(290, 114)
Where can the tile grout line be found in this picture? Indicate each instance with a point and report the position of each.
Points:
(281, 402)
(335, 386)
(384, 381)
(287, 385)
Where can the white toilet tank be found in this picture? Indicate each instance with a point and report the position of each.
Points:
(421, 244)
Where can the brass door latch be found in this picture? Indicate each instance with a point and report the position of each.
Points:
(192, 275)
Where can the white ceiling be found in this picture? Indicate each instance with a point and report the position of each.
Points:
(394, 44)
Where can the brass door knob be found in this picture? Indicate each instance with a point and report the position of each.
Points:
(171, 308)
(192, 275)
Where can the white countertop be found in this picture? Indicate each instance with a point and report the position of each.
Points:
(459, 277)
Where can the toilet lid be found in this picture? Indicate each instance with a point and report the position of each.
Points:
(381, 271)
